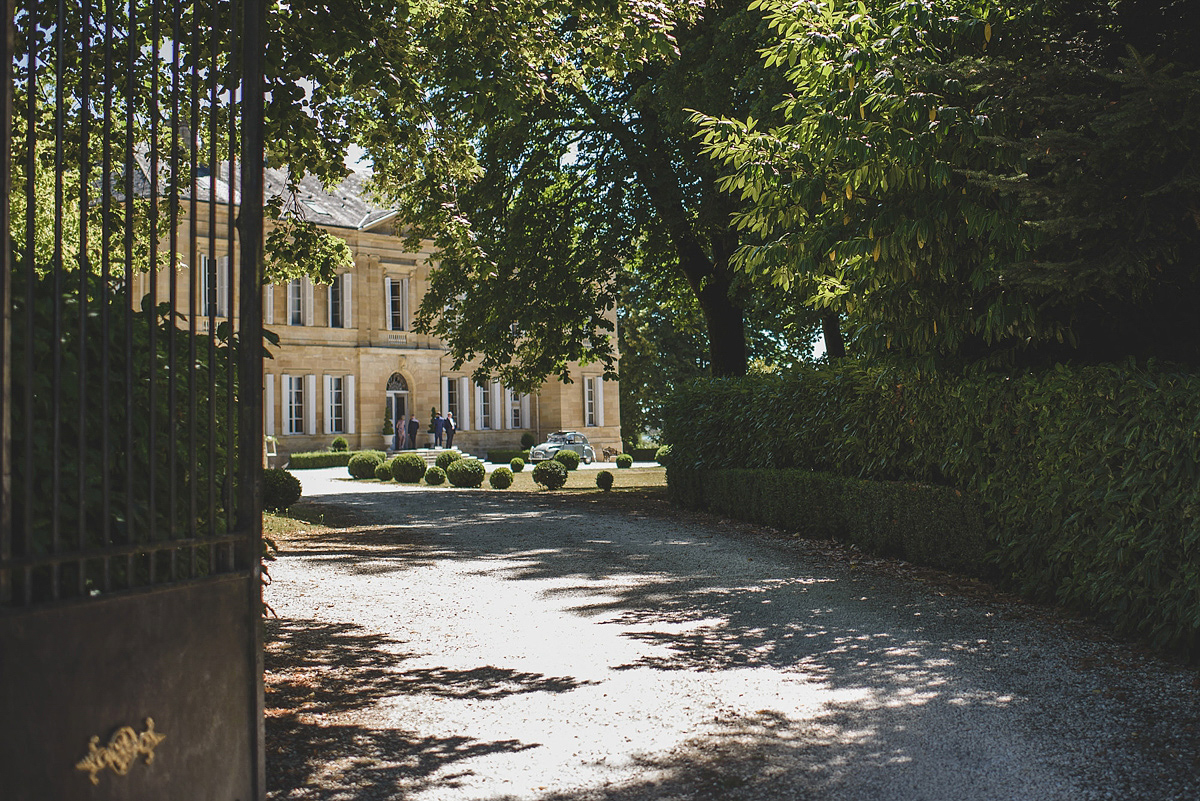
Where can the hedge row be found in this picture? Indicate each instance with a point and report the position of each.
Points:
(307, 460)
(922, 523)
(1088, 476)
(506, 455)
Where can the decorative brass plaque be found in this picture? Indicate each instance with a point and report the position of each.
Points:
(123, 748)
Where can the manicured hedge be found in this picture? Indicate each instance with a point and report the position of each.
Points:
(1087, 477)
(506, 455)
(930, 525)
(303, 461)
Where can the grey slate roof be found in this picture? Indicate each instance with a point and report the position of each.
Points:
(346, 205)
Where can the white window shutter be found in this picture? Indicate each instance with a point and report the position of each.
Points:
(347, 305)
(500, 415)
(464, 404)
(348, 401)
(285, 398)
(479, 406)
(307, 284)
(223, 286)
(310, 403)
(269, 403)
(269, 304)
(599, 384)
(404, 305)
(328, 381)
(525, 412)
(445, 407)
(387, 303)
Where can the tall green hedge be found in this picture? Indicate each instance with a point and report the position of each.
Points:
(1087, 476)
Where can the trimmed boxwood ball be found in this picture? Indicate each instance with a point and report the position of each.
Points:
(339, 445)
(383, 472)
(280, 489)
(517, 465)
(466, 473)
(551, 474)
(663, 455)
(604, 480)
(624, 461)
(501, 478)
(408, 468)
(527, 441)
(435, 476)
(362, 465)
(569, 459)
(445, 458)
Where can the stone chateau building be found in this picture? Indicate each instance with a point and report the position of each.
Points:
(348, 358)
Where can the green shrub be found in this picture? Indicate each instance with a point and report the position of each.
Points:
(383, 471)
(501, 455)
(527, 441)
(551, 474)
(604, 480)
(642, 454)
(363, 464)
(663, 454)
(444, 458)
(501, 478)
(466, 473)
(1084, 475)
(339, 445)
(435, 476)
(408, 468)
(517, 464)
(624, 461)
(280, 489)
(315, 459)
(569, 459)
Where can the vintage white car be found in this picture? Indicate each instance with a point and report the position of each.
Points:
(559, 440)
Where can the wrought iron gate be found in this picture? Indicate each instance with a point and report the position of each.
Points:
(130, 411)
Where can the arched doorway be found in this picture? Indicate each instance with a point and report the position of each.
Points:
(397, 404)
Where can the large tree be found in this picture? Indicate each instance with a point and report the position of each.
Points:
(556, 149)
(965, 180)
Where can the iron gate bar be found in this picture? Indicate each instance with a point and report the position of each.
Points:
(6, 116)
(118, 532)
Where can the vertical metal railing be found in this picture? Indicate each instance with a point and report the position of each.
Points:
(129, 458)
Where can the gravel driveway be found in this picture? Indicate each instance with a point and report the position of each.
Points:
(483, 645)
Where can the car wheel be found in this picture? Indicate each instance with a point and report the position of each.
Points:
(586, 460)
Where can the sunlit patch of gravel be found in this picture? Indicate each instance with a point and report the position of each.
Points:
(470, 645)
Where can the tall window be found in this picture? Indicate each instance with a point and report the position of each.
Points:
(514, 406)
(396, 303)
(214, 286)
(295, 295)
(335, 303)
(589, 393)
(336, 408)
(294, 389)
(452, 398)
(485, 407)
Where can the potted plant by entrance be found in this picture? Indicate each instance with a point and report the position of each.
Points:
(389, 431)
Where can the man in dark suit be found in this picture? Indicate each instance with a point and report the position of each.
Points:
(414, 427)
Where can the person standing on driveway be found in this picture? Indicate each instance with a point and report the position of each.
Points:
(439, 424)
(448, 428)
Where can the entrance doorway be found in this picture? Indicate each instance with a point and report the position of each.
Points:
(397, 405)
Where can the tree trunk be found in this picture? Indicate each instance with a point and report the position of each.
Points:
(725, 321)
(835, 346)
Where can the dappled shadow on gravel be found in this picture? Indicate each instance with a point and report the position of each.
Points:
(911, 676)
(318, 674)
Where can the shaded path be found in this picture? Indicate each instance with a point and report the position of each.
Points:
(488, 646)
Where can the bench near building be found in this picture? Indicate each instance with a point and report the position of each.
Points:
(348, 358)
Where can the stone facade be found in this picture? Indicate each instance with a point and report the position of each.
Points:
(348, 357)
